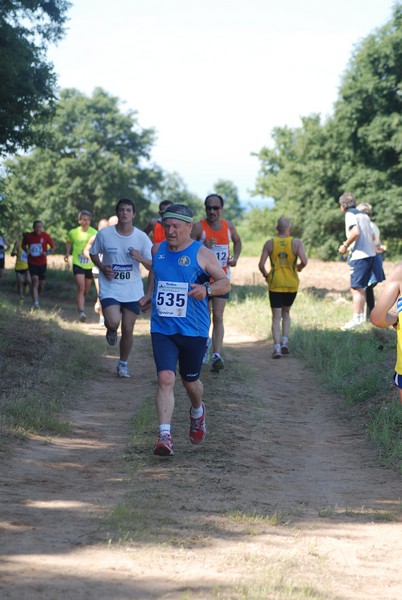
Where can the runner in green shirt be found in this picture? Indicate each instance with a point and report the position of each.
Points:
(82, 266)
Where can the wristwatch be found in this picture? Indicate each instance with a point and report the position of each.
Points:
(208, 288)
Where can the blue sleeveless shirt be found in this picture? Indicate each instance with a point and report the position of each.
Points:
(172, 310)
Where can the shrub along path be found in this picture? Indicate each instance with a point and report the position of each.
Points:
(285, 499)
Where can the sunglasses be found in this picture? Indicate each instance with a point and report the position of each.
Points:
(213, 207)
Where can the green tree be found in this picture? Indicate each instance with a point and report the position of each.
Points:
(27, 79)
(358, 149)
(173, 188)
(94, 155)
(368, 124)
(299, 172)
(229, 192)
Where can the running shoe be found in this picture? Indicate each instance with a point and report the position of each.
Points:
(82, 317)
(198, 429)
(285, 348)
(217, 364)
(164, 445)
(36, 304)
(111, 337)
(205, 360)
(122, 371)
(352, 324)
(102, 321)
(276, 353)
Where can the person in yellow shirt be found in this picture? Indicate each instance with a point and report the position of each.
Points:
(21, 269)
(384, 315)
(284, 253)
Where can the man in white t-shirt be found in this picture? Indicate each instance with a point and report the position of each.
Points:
(359, 244)
(123, 248)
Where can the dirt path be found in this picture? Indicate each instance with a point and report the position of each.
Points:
(286, 497)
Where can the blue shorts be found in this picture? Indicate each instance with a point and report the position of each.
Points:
(189, 351)
(133, 306)
(398, 380)
(377, 274)
(360, 271)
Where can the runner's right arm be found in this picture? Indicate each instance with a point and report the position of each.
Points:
(266, 252)
(382, 315)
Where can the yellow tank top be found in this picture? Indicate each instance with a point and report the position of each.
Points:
(283, 276)
(398, 366)
(21, 259)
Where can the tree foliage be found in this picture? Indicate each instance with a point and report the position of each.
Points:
(94, 154)
(233, 210)
(358, 149)
(27, 79)
(173, 188)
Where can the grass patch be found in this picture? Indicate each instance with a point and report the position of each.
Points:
(252, 244)
(45, 362)
(282, 588)
(356, 365)
(255, 519)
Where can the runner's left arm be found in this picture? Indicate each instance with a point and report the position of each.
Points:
(50, 245)
(87, 249)
(301, 254)
(237, 245)
(146, 262)
(221, 284)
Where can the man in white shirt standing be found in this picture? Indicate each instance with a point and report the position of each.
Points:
(123, 248)
(359, 244)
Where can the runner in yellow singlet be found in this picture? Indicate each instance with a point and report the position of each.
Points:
(21, 269)
(284, 252)
(386, 314)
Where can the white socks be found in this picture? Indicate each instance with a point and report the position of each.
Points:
(196, 413)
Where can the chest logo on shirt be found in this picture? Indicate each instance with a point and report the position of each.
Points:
(184, 261)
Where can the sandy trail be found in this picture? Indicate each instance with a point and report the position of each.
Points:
(285, 497)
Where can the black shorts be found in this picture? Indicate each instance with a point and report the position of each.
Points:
(80, 271)
(38, 271)
(281, 299)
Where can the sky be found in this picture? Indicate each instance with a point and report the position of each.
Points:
(214, 77)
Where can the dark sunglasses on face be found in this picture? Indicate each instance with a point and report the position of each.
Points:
(213, 207)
